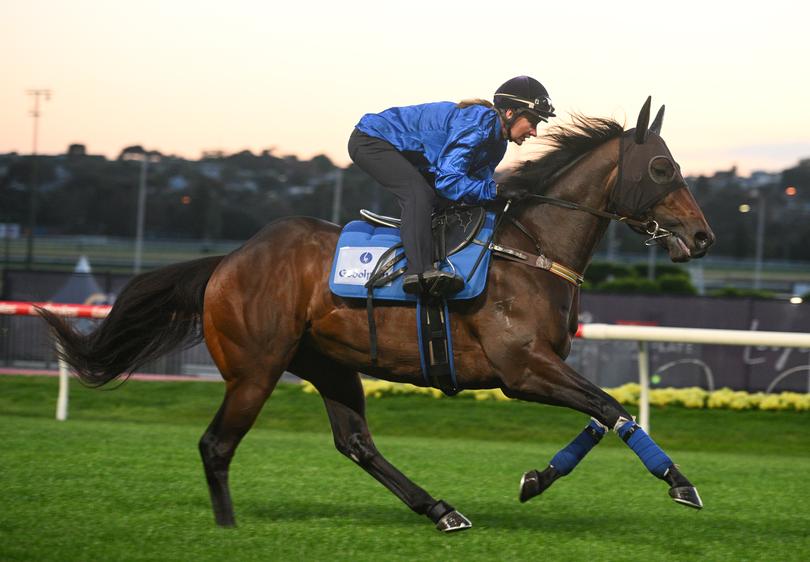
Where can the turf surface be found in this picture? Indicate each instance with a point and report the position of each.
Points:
(121, 480)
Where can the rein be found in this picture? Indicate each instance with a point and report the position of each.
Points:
(650, 226)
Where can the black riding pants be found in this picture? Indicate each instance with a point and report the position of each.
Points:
(398, 173)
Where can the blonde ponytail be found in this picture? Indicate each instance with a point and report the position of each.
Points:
(474, 101)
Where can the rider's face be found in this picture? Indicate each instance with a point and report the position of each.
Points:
(522, 129)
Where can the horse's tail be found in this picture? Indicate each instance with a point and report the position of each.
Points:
(156, 312)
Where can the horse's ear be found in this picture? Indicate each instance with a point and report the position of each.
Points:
(643, 121)
(658, 121)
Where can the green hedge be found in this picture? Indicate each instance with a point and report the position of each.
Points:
(628, 394)
(735, 292)
(632, 285)
(661, 270)
(632, 279)
(676, 284)
(599, 272)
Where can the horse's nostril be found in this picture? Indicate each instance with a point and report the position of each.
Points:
(702, 240)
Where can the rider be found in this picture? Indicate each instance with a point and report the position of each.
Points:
(422, 153)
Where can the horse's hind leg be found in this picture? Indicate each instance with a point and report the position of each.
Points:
(551, 377)
(342, 393)
(243, 401)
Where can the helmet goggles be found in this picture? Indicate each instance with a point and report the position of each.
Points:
(536, 110)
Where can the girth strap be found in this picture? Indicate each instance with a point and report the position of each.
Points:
(379, 277)
(436, 344)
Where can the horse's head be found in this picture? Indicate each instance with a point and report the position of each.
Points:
(650, 188)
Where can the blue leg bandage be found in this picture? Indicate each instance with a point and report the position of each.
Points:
(655, 459)
(567, 459)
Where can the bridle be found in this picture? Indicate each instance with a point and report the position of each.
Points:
(648, 225)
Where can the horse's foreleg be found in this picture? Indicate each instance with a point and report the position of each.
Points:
(657, 462)
(535, 483)
(342, 393)
(551, 381)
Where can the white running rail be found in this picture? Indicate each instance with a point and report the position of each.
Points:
(641, 334)
(645, 334)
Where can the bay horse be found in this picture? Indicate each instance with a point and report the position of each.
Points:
(266, 308)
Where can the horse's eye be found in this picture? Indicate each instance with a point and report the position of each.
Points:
(661, 169)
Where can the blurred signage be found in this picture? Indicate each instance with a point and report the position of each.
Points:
(9, 230)
(751, 368)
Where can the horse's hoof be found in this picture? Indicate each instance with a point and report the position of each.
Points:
(681, 489)
(529, 486)
(453, 521)
(535, 483)
(686, 495)
(225, 520)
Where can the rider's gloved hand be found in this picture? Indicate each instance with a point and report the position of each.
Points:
(511, 191)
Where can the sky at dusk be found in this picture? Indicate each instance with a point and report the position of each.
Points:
(185, 77)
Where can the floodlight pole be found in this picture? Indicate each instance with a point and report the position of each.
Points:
(141, 216)
(761, 210)
(32, 185)
(144, 158)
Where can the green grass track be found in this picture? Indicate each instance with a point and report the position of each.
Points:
(122, 480)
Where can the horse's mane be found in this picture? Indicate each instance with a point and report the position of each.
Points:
(569, 142)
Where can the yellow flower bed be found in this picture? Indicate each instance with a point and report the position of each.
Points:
(628, 394)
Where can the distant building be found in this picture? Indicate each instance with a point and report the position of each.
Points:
(242, 184)
(211, 170)
(298, 190)
(76, 150)
(724, 179)
(178, 182)
(760, 179)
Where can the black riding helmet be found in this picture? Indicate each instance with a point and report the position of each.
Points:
(524, 94)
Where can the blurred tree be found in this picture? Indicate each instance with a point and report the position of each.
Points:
(799, 177)
(233, 196)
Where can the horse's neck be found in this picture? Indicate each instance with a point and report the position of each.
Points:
(567, 236)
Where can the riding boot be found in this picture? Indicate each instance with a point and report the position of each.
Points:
(437, 283)
(433, 282)
(412, 284)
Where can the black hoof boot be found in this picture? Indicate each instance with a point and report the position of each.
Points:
(447, 519)
(681, 489)
(535, 483)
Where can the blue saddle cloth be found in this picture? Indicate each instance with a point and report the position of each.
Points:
(361, 244)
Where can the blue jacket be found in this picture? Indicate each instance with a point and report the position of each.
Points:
(463, 146)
